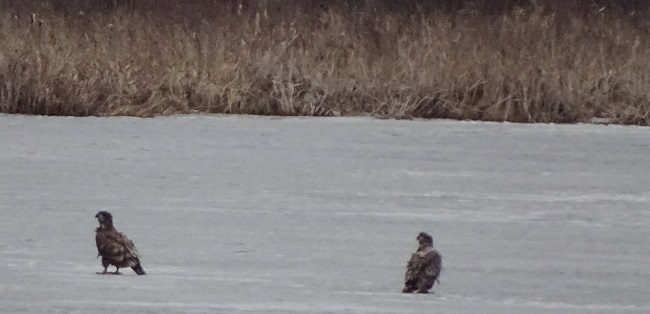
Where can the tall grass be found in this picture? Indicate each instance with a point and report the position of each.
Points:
(521, 66)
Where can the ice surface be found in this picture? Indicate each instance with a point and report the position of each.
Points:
(240, 214)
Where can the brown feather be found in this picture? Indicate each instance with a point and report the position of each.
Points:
(423, 269)
(114, 247)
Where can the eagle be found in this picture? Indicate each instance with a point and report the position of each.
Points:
(423, 269)
(114, 247)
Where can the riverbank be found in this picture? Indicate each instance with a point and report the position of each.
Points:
(519, 66)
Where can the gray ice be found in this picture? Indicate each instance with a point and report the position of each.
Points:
(239, 214)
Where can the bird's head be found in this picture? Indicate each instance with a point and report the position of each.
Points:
(105, 219)
(424, 239)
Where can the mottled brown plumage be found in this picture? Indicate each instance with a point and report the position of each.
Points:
(423, 269)
(114, 247)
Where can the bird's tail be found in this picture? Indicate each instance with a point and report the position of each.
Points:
(138, 269)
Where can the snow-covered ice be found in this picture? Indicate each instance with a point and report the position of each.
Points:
(237, 214)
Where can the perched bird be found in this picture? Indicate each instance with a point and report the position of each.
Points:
(423, 269)
(114, 247)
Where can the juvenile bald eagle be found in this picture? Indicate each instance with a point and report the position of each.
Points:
(114, 247)
(423, 269)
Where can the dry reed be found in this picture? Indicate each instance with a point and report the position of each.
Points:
(520, 66)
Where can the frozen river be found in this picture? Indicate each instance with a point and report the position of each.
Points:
(304, 215)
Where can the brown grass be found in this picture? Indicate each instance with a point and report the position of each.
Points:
(521, 66)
